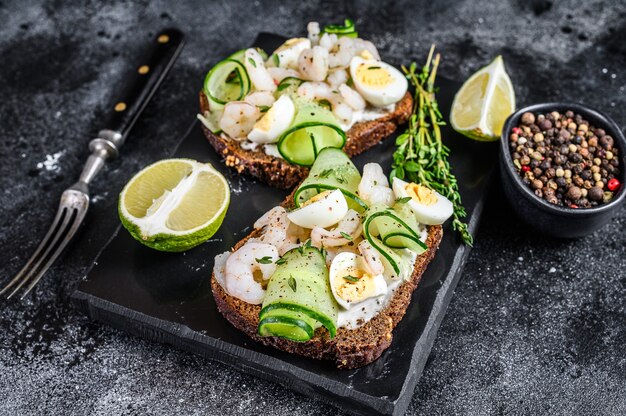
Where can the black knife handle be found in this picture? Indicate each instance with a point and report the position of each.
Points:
(142, 85)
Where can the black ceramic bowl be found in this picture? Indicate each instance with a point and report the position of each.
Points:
(551, 219)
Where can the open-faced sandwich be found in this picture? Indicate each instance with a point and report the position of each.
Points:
(270, 116)
(330, 272)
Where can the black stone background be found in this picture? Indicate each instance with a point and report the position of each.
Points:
(536, 326)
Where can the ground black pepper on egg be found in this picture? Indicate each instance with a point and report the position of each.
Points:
(565, 160)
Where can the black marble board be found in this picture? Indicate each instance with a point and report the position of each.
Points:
(166, 297)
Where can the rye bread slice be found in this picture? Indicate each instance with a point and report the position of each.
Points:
(349, 348)
(278, 172)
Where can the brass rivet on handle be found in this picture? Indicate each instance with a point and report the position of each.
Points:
(163, 38)
(121, 106)
(143, 69)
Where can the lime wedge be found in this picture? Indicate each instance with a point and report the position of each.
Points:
(174, 204)
(483, 103)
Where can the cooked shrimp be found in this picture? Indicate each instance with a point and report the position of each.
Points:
(321, 91)
(374, 187)
(219, 266)
(313, 28)
(342, 52)
(260, 99)
(361, 45)
(331, 252)
(341, 110)
(314, 91)
(277, 229)
(278, 73)
(241, 271)
(350, 226)
(371, 258)
(352, 98)
(238, 119)
(328, 40)
(257, 72)
(337, 77)
(313, 63)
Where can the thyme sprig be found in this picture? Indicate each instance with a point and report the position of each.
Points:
(420, 155)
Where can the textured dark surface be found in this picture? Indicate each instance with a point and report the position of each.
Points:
(536, 325)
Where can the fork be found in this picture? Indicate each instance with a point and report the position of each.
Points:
(75, 200)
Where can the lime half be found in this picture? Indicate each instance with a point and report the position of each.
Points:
(483, 103)
(174, 204)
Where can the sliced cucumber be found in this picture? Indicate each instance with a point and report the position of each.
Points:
(312, 129)
(239, 55)
(298, 297)
(332, 170)
(211, 120)
(348, 29)
(288, 85)
(394, 226)
(227, 81)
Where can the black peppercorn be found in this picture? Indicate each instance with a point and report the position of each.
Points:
(595, 193)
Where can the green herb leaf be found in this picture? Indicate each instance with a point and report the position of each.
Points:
(351, 278)
(403, 200)
(346, 236)
(411, 166)
(325, 173)
(325, 103)
(282, 86)
(276, 59)
(280, 261)
(372, 67)
(292, 283)
(252, 62)
(263, 108)
(420, 155)
(264, 260)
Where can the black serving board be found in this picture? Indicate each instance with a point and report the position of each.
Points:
(166, 297)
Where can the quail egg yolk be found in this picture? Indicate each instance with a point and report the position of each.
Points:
(373, 76)
(358, 290)
(421, 194)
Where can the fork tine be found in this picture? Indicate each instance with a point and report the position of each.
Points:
(76, 221)
(44, 243)
(61, 231)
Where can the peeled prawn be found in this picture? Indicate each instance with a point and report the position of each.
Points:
(351, 97)
(328, 40)
(260, 99)
(322, 91)
(313, 28)
(350, 226)
(260, 78)
(313, 63)
(337, 77)
(238, 119)
(374, 187)
(371, 258)
(342, 52)
(278, 230)
(238, 271)
(278, 73)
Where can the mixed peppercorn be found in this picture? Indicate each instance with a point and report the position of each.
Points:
(565, 160)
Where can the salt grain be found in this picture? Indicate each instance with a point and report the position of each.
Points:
(51, 164)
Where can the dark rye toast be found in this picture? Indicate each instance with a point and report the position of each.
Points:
(349, 348)
(279, 173)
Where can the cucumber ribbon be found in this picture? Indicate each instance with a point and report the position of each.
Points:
(390, 229)
(313, 128)
(332, 170)
(348, 29)
(298, 298)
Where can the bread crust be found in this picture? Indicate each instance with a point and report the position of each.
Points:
(349, 348)
(278, 172)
